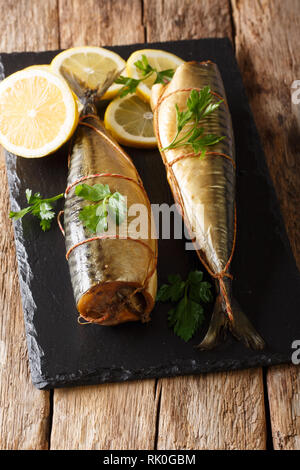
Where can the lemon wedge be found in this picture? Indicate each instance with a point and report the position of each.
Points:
(92, 65)
(130, 121)
(38, 112)
(160, 60)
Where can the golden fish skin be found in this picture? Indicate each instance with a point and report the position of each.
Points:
(205, 188)
(108, 276)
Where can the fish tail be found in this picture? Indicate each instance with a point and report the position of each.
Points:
(242, 328)
(86, 95)
(218, 326)
(238, 325)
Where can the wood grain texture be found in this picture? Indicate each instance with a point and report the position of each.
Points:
(167, 20)
(24, 411)
(215, 411)
(284, 398)
(195, 421)
(268, 56)
(100, 22)
(28, 25)
(111, 416)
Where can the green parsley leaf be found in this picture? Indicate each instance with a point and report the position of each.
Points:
(117, 207)
(40, 208)
(187, 315)
(146, 70)
(183, 117)
(45, 224)
(199, 107)
(144, 66)
(94, 193)
(129, 85)
(31, 199)
(186, 318)
(163, 294)
(201, 143)
(198, 102)
(95, 216)
(201, 293)
(89, 218)
(28, 194)
(164, 76)
(45, 211)
(195, 277)
(172, 292)
(20, 214)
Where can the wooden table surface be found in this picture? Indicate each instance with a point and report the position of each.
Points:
(250, 409)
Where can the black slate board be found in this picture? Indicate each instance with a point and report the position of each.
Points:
(267, 284)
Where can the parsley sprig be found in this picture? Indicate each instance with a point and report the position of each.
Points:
(199, 106)
(95, 216)
(41, 208)
(130, 84)
(187, 315)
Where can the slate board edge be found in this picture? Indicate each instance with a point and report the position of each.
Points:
(112, 375)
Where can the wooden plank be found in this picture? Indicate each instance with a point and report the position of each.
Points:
(110, 416)
(99, 22)
(24, 411)
(267, 56)
(28, 25)
(267, 53)
(214, 411)
(284, 399)
(177, 19)
(204, 412)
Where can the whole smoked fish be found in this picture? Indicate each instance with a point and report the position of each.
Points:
(204, 189)
(113, 279)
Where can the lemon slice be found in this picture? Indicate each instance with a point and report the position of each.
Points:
(91, 65)
(38, 112)
(39, 67)
(49, 69)
(160, 60)
(130, 120)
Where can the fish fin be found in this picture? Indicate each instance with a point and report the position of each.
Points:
(80, 88)
(217, 327)
(242, 328)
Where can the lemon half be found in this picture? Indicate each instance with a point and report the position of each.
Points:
(38, 112)
(130, 120)
(92, 65)
(160, 60)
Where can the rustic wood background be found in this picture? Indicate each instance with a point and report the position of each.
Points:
(252, 409)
